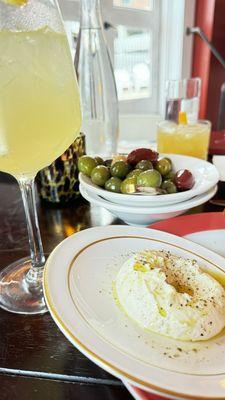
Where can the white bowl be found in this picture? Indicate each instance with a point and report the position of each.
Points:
(143, 216)
(205, 174)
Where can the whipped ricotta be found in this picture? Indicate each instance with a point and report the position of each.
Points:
(170, 295)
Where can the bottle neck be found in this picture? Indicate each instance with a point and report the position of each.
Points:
(90, 14)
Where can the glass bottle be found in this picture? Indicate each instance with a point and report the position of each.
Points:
(97, 83)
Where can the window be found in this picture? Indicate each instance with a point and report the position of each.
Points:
(132, 65)
(135, 52)
(137, 4)
(148, 46)
(134, 47)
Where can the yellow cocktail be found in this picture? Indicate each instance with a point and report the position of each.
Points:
(39, 118)
(187, 139)
(40, 109)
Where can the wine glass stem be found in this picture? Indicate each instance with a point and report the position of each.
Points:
(36, 249)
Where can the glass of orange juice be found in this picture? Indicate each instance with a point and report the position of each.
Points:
(189, 139)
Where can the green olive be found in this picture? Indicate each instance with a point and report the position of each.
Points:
(164, 166)
(151, 178)
(113, 184)
(86, 164)
(169, 177)
(119, 169)
(135, 173)
(129, 185)
(100, 175)
(144, 165)
(99, 160)
(169, 186)
(170, 161)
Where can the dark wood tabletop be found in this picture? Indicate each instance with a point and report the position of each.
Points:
(36, 361)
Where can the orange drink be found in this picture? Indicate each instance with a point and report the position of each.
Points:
(188, 139)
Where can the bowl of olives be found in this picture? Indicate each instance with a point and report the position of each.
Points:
(146, 178)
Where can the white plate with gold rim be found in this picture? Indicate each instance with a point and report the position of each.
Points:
(78, 289)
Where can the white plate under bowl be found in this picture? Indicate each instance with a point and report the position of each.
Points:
(78, 290)
(143, 216)
(205, 174)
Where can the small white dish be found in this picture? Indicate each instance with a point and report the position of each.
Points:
(143, 216)
(78, 290)
(205, 174)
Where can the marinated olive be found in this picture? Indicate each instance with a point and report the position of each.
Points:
(141, 154)
(119, 157)
(150, 178)
(184, 180)
(86, 164)
(170, 161)
(119, 169)
(108, 163)
(113, 184)
(135, 173)
(169, 186)
(164, 166)
(100, 175)
(99, 160)
(169, 177)
(144, 165)
(129, 185)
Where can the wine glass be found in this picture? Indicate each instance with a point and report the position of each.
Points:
(183, 95)
(39, 118)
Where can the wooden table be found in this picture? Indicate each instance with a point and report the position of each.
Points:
(36, 361)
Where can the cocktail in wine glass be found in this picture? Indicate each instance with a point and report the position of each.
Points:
(39, 118)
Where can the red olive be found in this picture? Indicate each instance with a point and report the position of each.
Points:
(184, 180)
(141, 154)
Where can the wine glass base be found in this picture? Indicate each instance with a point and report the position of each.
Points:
(19, 292)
